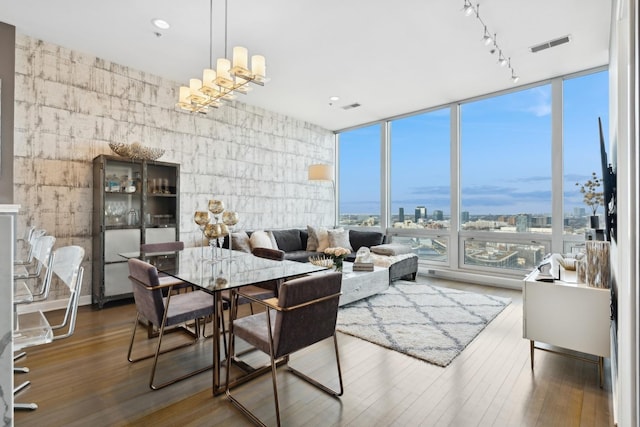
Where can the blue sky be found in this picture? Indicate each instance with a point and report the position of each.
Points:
(505, 154)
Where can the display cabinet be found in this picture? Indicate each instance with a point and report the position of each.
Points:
(135, 202)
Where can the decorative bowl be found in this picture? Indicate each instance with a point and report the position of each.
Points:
(136, 151)
(321, 261)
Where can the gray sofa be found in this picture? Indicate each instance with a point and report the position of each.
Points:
(293, 242)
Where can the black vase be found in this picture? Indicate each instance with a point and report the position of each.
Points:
(594, 221)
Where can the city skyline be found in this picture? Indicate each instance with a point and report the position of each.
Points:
(491, 181)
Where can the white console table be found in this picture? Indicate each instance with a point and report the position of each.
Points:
(569, 315)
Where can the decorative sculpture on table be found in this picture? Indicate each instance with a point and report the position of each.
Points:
(230, 219)
(216, 231)
(202, 219)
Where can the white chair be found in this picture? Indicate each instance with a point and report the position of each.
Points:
(34, 328)
(41, 255)
(31, 236)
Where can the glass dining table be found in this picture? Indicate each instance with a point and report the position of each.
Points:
(231, 270)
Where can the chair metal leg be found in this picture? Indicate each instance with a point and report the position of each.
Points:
(316, 383)
(21, 387)
(23, 406)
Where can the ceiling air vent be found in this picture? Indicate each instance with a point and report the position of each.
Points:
(351, 106)
(550, 43)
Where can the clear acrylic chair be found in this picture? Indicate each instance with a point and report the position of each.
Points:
(41, 256)
(31, 236)
(34, 328)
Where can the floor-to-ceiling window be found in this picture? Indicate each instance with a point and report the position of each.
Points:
(505, 179)
(585, 99)
(503, 182)
(359, 177)
(420, 182)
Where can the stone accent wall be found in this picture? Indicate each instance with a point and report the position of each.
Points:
(69, 106)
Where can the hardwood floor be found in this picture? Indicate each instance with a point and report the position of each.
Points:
(86, 380)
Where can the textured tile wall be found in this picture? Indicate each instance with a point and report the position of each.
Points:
(69, 106)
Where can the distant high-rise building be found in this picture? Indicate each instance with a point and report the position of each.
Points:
(438, 215)
(579, 212)
(401, 215)
(523, 223)
(464, 217)
(421, 212)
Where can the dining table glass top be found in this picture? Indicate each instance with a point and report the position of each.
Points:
(233, 269)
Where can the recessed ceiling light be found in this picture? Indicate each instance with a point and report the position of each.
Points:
(160, 23)
(334, 98)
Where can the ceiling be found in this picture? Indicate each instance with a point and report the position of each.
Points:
(392, 58)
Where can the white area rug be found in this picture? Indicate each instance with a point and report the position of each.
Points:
(424, 321)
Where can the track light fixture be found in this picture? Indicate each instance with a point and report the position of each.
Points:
(469, 9)
(486, 39)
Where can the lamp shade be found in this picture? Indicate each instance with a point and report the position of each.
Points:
(321, 172)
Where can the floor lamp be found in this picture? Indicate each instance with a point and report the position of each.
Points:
(324, 172)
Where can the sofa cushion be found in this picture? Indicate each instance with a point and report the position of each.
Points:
(318, 238)
(300, 256)
(359, 239)
(288, 240)
(391, 249)
(339, 238)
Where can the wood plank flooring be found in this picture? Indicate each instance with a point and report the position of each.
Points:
(86, 380)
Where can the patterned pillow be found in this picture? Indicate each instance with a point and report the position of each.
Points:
(318, 239)
(240, 241)
(339, 238)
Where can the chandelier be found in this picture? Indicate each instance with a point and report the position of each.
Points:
(228, 77)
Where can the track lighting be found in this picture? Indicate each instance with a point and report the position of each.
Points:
(469, 9)
(486, 39)
(502, 60)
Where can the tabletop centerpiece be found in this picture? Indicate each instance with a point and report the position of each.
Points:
(338, 255)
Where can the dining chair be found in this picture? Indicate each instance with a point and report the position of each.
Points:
(304, 313)
(165, 311)
(160, 248)
(263, 291)
(41, 253)
(31, 236)
(34, 328)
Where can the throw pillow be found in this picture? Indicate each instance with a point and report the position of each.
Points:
(240, 241)
(274, 244)
(339, 238)
(318, 239)
(367, 239)
(391, 249)
(260, 239)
